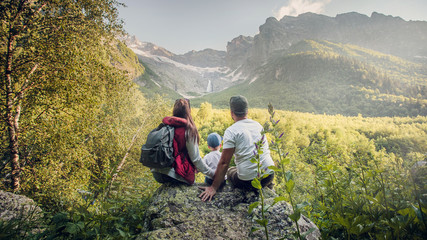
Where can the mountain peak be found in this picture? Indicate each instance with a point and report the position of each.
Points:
(147, 47)
(382, 17)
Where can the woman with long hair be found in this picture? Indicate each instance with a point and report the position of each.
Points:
(186, 148)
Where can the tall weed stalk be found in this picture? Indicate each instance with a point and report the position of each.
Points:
(256, 183)
(283, 175)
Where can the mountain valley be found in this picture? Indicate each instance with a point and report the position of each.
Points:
(349, 64)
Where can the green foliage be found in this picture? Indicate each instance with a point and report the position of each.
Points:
(58, 83)
(256, 183)
(283, 176)
(117, 215)
(350, 175)
(208, 121)
(205, 111)
(76, 113)
(125, 59)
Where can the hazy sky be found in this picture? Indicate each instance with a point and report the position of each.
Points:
(184, 25)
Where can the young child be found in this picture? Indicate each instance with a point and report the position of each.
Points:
(211, 159)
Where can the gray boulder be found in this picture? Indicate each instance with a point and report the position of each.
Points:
(13, 206)
(20, 214)
(176, 212)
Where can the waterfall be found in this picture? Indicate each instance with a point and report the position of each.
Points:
(209, 87)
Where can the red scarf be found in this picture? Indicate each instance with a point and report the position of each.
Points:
(182, 165)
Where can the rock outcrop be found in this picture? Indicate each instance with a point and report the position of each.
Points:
(176, 212)
(13, 206)
(207, 58)
(238, 50)
(19, 209)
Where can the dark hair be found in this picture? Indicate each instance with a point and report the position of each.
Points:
(182, 109)
(239, 105)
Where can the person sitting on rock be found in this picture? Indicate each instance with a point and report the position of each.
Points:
(185, 147)
(211, 159)
(239, 139)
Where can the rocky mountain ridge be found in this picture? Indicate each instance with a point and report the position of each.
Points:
(198, 73)
(386, 34)
(191, 74)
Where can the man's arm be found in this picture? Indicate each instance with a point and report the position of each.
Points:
(220, 172)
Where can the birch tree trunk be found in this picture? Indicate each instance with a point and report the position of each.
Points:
(12, 118)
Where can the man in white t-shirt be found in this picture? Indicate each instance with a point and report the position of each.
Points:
(239, 139)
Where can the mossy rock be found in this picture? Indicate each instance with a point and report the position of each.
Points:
(176, 212)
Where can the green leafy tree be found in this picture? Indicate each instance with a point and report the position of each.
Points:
(204, 112)
(52, 56)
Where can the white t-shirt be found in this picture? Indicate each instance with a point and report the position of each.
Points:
(211, 159)
(242, 136)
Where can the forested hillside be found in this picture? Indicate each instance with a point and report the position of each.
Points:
(149, 86)
(332, 78)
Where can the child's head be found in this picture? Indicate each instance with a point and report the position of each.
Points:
(214, 141)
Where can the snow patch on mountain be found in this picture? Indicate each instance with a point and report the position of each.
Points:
(163, 59)
(253, 79)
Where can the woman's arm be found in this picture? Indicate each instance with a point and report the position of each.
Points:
(193, 152)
